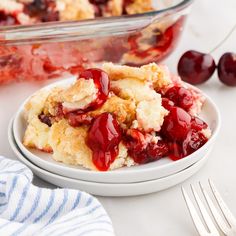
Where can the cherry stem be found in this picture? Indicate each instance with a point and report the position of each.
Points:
(222, 41)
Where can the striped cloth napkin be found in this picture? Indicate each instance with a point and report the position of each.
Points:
(28, 210)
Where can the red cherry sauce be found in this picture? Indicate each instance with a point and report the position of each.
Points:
(176, 124)
(103, 139)
(102, 83)
(176, 151)
(182, 132)
(141, 151)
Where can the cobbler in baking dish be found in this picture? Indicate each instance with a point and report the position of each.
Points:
(117, 116)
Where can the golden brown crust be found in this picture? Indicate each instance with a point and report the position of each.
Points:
(117, 72)
(52, 101)
(139, 6)
(113, 8)
(79, 95)
(158, 74)
(35, 104)
(75, 10)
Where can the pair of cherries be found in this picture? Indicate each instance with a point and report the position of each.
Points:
(196, 67)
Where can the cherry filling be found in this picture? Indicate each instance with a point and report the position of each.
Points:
(98, 5)
(103, 139)
(143, 152)
(181, 97)
(44, 10)
(198, 124)
(167, 104)
(183, 133)
(8, 19)
(176, 151)
(176, 124)
(193, 142)
(45, 119)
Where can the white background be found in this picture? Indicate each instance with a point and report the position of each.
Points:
(165, 213)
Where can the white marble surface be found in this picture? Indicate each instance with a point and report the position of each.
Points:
(164, 213)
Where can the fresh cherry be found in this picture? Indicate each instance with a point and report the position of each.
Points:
(102, 83)
(176, 124)
(227, 69)
(181, 97)
(103, 139)
(196, 67)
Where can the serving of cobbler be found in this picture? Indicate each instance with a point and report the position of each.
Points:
(117, 116)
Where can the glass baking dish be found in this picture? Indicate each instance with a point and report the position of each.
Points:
(51, 50)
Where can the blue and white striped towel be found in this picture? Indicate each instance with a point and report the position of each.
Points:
(28, 210)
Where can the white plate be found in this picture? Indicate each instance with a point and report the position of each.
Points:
(154, 170)
(108, 189)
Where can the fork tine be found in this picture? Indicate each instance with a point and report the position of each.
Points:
(204, 213)
(218, 218)
(194, 215)
(225, 210)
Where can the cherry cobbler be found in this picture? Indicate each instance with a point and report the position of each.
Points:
(117, 116)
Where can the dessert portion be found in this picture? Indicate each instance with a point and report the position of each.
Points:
(13, 12)
(117, 116)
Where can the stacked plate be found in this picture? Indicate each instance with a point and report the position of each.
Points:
(137, 180)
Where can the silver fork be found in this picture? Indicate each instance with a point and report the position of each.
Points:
(227, 222)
